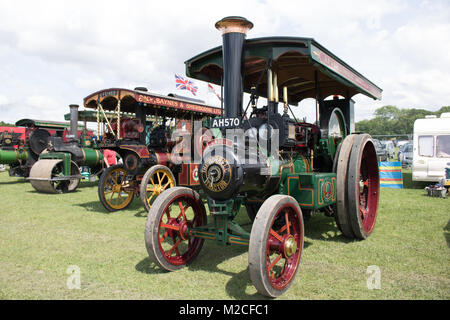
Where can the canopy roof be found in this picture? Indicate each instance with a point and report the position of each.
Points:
(152, 104)
(45, 124)
(295, 60)
(91, 116)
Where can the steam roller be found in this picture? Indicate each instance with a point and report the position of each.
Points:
(21, 145)
(48, 176)
(58, 167)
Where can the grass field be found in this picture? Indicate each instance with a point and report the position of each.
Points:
(42, 235)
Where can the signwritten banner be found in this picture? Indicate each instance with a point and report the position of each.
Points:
(332, 64)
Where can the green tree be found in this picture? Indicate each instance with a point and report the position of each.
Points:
(442, 110)
(5, 124)
(388, 113)
(390, 120)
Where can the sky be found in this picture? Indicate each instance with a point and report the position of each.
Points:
(55, 53)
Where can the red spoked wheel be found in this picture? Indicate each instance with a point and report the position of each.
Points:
(276, 245)
(363, 186)
(167, 236)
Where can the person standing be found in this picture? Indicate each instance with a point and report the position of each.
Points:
(109, 157)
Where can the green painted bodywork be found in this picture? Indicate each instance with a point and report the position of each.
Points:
(92, 157)
(64, 156)
(13, 156)
(312, 190)
(223, 229)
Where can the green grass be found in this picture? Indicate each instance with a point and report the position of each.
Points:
(41, 235)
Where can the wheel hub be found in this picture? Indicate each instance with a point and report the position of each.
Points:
(180, 228)
(184, 227)
(361, 186)
(290, 246)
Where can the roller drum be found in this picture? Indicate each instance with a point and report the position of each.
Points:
(47, 176)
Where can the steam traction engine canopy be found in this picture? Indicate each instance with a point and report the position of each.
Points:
(131, 100)
(299, 64)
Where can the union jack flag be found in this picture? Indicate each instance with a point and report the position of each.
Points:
(185, 84)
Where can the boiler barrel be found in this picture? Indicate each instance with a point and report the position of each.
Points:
(13, 156)
(91, 157)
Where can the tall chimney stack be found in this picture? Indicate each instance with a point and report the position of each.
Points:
(234, 30)
(73, 121)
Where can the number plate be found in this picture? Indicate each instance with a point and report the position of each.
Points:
(226, 122)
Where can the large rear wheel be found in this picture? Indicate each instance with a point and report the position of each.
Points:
(357, 186)
(341, 167)
(363, 186)
(276, 245)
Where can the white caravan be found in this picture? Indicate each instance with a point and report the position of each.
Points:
(431, 148)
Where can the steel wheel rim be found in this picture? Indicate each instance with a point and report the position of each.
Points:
(368, 188)
(58, 171)
(174, 242)
(159, 181)
(281, 265)
(62, 186)
(116, 184)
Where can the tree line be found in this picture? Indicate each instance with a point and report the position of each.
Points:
(5, 124)
(390, 120)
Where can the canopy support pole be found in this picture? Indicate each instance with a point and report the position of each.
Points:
(316, 89)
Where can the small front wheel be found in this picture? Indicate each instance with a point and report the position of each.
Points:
(167, 237)
(157, 179)
(276, 245)
(114, 190)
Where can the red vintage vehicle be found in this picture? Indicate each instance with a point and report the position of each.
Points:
(11, 137)
(139, 128)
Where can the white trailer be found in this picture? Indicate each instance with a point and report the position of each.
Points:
(431, 148)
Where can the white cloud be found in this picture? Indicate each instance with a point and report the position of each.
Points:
(90, 82)
(3, 100)
(57, 52)
(41, 103)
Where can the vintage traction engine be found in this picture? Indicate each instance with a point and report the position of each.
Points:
(140, 129)
(21, 150)
(302, 168)
(58, 167)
